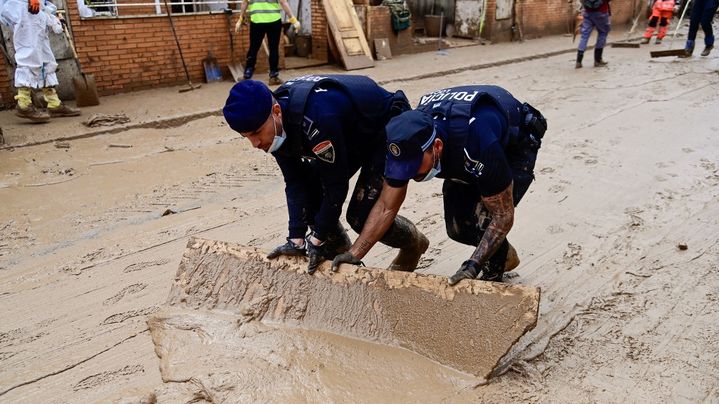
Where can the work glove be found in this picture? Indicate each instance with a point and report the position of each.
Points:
(295, 24)
(289, 249)
(33, 6)
(469, 270)
(238, 25)
(345, 258)
(318, 253)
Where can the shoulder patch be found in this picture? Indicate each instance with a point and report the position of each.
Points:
(394, 149)
(472, 166)
(325, 151)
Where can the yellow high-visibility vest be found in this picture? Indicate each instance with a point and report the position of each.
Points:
(264, 11)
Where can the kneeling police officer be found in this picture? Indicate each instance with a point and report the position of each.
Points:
(322, 130)
(483, 143)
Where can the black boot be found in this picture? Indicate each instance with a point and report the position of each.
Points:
(707, 49)
(410, 241)
(688, 50)
(580, 56)
(598, 61)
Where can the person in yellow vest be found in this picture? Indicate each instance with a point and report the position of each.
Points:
(265, 19)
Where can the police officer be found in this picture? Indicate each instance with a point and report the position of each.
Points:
(483, 143)
(322, 130)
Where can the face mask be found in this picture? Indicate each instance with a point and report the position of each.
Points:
(278, 140)
(433, 171)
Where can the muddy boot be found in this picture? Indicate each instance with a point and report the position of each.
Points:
(32, 114)
(580, 56)
(645, 40)
(512, 259)
(707, 50)
(658, 41)
(598, 61)
(492, 272)
(275, 79)
(249, 71)
(55, 107)
(339, 242)
(411, 243)
(25, 109)
(63, 111)
(408, 257)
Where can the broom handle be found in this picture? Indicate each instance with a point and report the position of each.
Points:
(177, 42)
(679, 24)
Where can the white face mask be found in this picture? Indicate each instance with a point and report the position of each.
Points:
(278, 140)
(433, 171)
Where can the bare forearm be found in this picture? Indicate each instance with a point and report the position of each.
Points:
(379, 220)
(286, 7)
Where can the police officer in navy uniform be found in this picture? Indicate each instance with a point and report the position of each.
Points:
(483, 143)
(322, 130)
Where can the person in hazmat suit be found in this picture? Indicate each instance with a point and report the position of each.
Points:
(35, 65)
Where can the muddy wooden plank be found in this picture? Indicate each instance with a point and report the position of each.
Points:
(468, 327)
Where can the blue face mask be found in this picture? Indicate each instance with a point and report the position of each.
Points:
(433, 171)
(278, 140)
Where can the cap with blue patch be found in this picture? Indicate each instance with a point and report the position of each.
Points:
(248, 106)
(409, 135)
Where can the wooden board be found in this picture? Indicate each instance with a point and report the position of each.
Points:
(348, 34)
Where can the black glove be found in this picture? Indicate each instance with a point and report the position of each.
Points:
(347, 258)
(289, 248)
(469, 270)
(318, 253)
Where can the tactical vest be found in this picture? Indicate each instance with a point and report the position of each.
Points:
(264, 11)
(372, 102)
(456, 105)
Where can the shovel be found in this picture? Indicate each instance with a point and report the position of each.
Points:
(673, 52)
(85, 88)
(236, 69)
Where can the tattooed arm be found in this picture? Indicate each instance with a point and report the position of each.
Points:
(501, 207)
(380, 219)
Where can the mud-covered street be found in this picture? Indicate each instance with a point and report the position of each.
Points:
(619, 230)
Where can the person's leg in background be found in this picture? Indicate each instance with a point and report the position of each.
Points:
(585, 31)
(257, 34)
(274, 31)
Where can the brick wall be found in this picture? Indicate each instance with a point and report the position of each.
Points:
(545, 17)
(7, 92)
(319, 31)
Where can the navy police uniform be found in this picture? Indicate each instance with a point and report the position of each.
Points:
(335, 127)
(490, 139)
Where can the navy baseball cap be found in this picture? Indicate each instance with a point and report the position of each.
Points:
(409, 135)
(248, 106)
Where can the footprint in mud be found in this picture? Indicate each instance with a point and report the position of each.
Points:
(547, 170)
(99, 379)
(555, 229)
(121, 317)
(687, 150)
(664, 164)
(591, 161)
(555, 189)
(128, 290)
(636, 220)
(142, 265)
(572, 256)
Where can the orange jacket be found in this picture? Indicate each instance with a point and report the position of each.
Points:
(664, 5)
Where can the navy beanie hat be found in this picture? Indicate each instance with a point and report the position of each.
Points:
(248, 106)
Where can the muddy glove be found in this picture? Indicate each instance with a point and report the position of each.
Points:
(345, 258)
(295, 24)
(289, 249)
(317, 254)
(469, 270)
(33, 6)
(238, 26)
